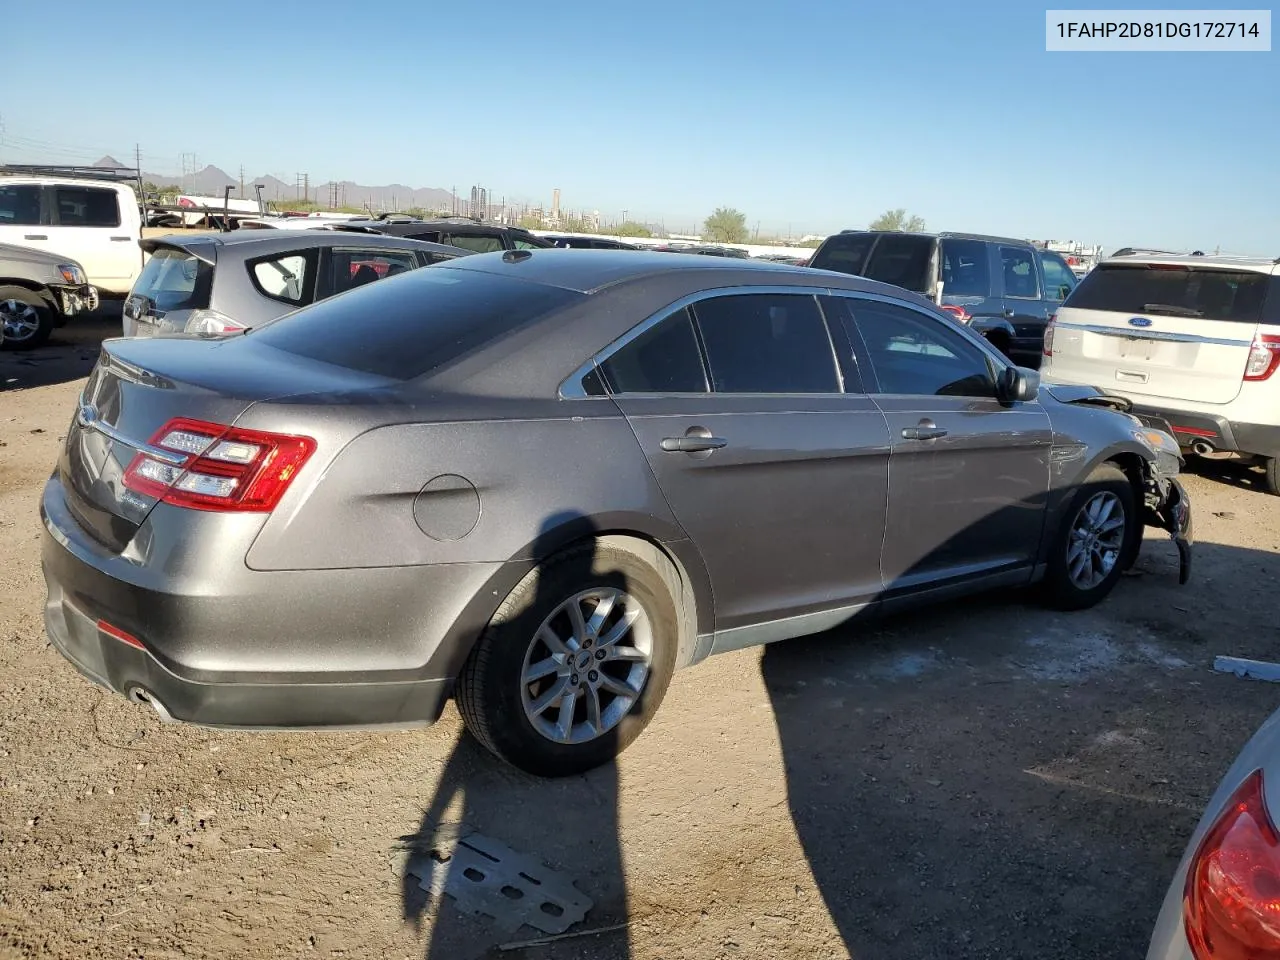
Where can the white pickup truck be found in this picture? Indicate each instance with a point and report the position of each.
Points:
(96, 223)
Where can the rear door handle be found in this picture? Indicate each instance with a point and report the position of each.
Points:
(36, 236)
(924, 430)
(692, 444)
(1008, 312)
(121, 239)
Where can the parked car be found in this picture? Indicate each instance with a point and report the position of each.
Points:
(96, 223)
(465, 232)
(1005, 289)
(706, 250)
(1190, 338)
(587, 471)
(1221, 904)
(587, 243)
(222, 283)
(39, 291)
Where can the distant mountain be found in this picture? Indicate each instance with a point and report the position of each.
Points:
(108, 161)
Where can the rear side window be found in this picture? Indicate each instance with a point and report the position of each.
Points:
(404, 331)
(349, 269)
(480, 244)
(845, 252)
(19, 206)
(902, 259)
(767, 343)
(1173, 291)
(1019, 268)
(286, 277)
(966, 268)
(663, 359)
(87, 207)
(174, 280)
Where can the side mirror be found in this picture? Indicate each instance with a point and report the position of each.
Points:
(1018, 385)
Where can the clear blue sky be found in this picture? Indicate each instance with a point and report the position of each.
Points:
(818, 114)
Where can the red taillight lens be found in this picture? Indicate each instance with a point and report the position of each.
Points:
(960, 313)
(1048, 338)
(226, 468)
(1264, 357)
(1231, 904)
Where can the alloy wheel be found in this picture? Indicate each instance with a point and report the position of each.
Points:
(1097, 537)
(19, 321)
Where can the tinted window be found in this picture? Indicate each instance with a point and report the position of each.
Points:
(845, 252)
(173, 279)
(663, 359)
(1172, 291)
(1019, 268)
(480, 244)
(431, 236)
(524, 243)
(903, 260)
(767, 343)
(20, 206)
(349, 269)
(914, 354)
(1058, 278)
(285, 277)
(87, 207)
(966, 268)
(403, 331)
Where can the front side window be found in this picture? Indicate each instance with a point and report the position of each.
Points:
(1019, 273)
(663, 359)
(767, 343)
(87, 207)
(19, 206)
(1059, 281)
(521, 244)
(285, 277)
(913, 354)
(349, 269)
(966, 270)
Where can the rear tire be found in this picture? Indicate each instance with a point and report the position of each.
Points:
(1271, 476)
(516, 691)
(25, 319)
(1092, 550)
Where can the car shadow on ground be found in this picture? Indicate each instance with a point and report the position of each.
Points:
(1234, 473)
(945, 774)
(69, 354)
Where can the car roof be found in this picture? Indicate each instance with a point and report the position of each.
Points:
(1257, 264)
(53, 181)
(255, 242)
(588, 271)
(946, 235)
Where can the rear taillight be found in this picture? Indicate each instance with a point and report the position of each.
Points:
(224, 468)
(1231, 904)
(1264, 357)
(1048, 337)
(960, 313)
(211, 323)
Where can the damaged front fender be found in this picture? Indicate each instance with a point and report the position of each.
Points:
(1167, 507)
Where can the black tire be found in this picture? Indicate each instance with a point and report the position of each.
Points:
(489, 688)
(1060, 589)
(21, 300)
(1271, 476)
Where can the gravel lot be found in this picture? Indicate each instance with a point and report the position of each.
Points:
(984, 780)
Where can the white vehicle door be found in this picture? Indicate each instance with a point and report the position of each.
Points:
(96, 226)
(1160, 330)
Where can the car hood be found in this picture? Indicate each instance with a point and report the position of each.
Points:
(42, 258)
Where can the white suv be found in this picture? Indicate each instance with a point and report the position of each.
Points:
(1192, 339)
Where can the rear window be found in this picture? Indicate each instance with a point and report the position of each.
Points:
(406, 329)
(901, 259)
(175, 280)
(1173, 291)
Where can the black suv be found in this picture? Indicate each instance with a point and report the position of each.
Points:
(1007, 290)
(461, 232)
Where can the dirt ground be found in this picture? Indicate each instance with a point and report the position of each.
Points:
(986, 779)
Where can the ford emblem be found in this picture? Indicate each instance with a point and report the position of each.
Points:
(1139, 322)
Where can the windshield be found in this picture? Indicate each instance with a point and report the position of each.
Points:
(173, 279)
(1173, 291)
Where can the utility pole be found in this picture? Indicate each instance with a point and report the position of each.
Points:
(306, 187)
(242, 180)
(137, 159)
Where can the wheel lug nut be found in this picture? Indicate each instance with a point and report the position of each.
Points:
(600, 654)
(593, 676)
(586, 644)
(573, 679)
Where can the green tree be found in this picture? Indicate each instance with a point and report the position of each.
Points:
(629, 228)
(897, 220)
(726, 225)
(529, 222)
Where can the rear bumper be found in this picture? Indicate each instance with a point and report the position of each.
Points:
(304, 649)
(1219, 432)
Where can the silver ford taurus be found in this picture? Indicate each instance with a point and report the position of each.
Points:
(541, 481)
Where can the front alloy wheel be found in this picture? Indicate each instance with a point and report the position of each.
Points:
(1097, 536)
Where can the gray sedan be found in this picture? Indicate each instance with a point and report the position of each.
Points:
(541, 481)
(223, 283)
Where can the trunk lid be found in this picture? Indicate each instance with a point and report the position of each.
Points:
(1161, 330)
(138, 386)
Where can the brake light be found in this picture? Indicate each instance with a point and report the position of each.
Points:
(960, 313)
(1231, 904)
(1048, 337)
(1264, 357)
(224, 468)
(212, 323)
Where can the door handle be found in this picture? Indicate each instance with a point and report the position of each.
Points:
(924, 430)
(121, 239)
(36, 236)
(1008, 312)
(692, 444)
